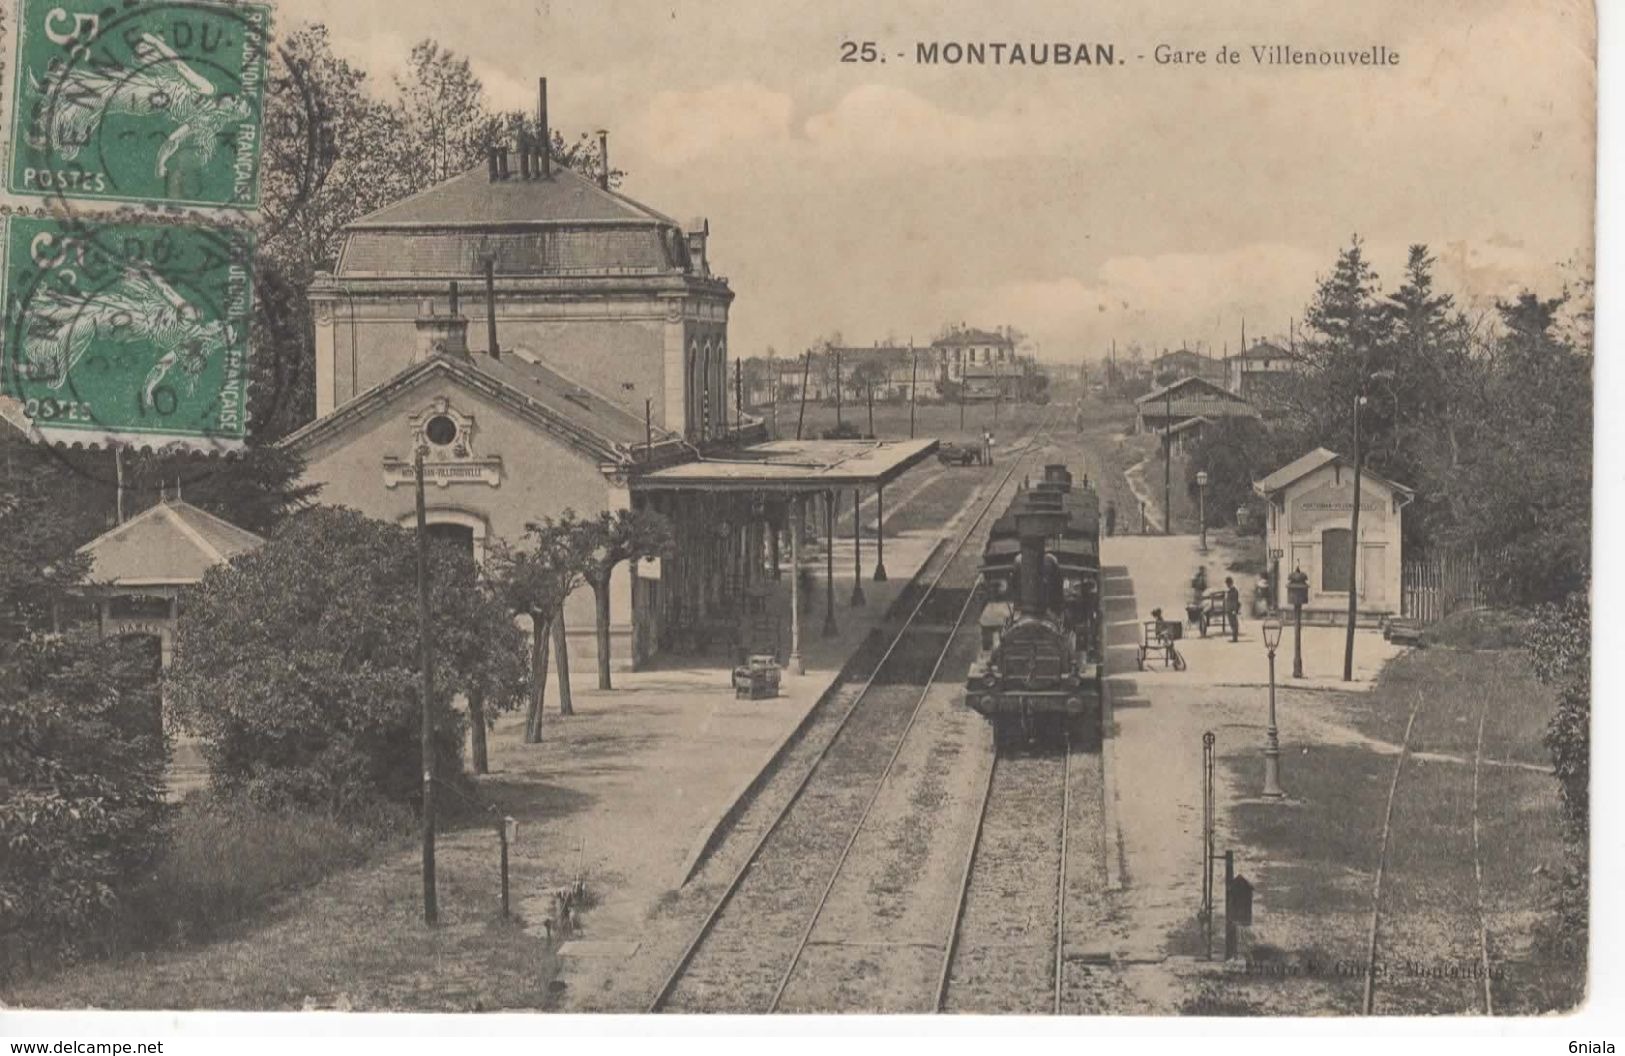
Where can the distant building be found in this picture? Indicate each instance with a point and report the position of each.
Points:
(1311, 503)
(1261, 373)
(968, 350)
(1185, 406)
(1183, 363)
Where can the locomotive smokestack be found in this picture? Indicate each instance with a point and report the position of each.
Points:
(1035, 529)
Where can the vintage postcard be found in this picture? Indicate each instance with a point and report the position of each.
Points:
(1021, 509)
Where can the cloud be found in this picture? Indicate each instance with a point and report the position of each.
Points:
(679, 127)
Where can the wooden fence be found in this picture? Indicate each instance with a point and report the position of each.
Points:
(1444, 582)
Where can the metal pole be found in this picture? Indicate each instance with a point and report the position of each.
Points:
(502, 836)
(1207, 845)
(913, 387)
(1297, 639)
(838, 420)
(431, 910)
(1168, 464)
(796, 513)
(1229, 924)
(830, 626)
(1272, 745)
(806, 372)
(857, 549)
(1354, 547)
(880, 534)
(1201, 512)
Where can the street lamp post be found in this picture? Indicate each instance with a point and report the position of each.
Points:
(1354, 527)
(1201, 504)
(1297, 591)
(1272, 737)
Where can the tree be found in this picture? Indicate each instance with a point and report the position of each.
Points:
(1233, 452)
(81, 757)
(535, 582)
(81, 784)
(298, 663)
(616, 536)
(442, 105)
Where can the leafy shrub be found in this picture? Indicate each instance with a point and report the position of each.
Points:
(298, 663)
(1559, 644)
(81, 764)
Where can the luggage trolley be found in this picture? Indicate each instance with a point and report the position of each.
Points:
(1157, 638)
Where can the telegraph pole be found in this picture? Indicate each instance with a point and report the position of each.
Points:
(431, 909)
(913, 382)
(1168, 462)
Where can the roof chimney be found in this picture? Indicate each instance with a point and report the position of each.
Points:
(699, 232)
(441, 335)
(547, 133)
(603, 158)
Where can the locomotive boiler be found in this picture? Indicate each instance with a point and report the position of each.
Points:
(1038, 670)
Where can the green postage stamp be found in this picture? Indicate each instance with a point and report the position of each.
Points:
(128, 332)
(140, 102)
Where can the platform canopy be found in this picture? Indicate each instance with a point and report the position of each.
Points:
(795, 466)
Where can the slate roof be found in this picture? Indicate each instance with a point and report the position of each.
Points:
(580, 417)
(564, 225)
(1199, 389)
(1306, 464)
(173, 543)
(473, 199)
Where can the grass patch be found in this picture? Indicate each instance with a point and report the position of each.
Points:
(1478, 629)
(1455, 686)
(226, 860)
(1315, 858)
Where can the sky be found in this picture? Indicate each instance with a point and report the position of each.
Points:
(1158, 204)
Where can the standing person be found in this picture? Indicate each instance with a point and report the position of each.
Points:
(1232, 608)
(990, 444)
(1111, 518)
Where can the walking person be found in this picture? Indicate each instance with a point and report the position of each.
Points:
(1232, 608)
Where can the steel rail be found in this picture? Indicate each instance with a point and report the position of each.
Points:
(1060, 883)
(675, 976)
(863, 819)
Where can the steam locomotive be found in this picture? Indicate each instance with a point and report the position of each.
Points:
(1037, 674)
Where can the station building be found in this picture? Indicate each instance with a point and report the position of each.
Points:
(1311, 502)
(553, 345)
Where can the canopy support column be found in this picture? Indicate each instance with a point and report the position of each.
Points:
(858, 598)
(798, 666)
(830, 626)
(880, 534)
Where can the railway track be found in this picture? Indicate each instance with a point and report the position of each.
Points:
(1007, 943)
(1451, 974)
(755, 935)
